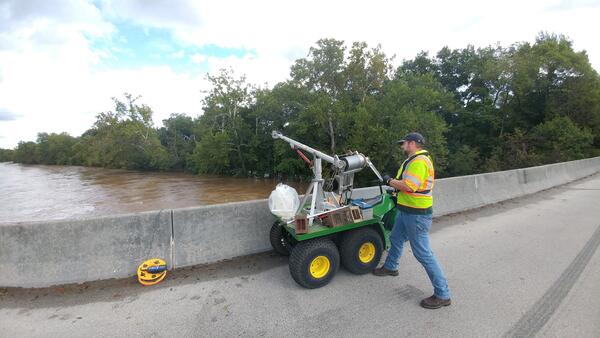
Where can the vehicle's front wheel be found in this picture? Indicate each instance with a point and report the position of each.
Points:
(313, 263)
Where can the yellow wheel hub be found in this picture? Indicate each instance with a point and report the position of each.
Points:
(366, 253)
(319, 267)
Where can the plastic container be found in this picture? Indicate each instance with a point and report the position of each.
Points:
(284, 201)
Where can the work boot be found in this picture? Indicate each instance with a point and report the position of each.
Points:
(435, 303)
(385, 272)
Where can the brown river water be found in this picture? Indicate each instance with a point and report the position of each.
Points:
(43, 192)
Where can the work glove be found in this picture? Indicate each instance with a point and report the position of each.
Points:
(386, 179)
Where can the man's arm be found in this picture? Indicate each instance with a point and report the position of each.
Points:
(415, 175)
(400, 185)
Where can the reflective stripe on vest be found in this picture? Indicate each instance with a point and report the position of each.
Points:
(423, 196)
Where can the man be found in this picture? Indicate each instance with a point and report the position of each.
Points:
(414, 182)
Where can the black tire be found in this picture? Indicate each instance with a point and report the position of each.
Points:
(312, 252)
(353, 259)
(278, 240)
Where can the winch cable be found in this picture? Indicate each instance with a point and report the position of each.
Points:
(152, 271)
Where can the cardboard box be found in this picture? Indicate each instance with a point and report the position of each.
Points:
(357, 214)
(338, 217)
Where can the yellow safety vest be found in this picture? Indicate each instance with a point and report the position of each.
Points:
(418, 174)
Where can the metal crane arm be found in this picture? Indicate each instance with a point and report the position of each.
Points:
(295, 144)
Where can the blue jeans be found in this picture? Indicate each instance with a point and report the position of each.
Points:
(415, 229)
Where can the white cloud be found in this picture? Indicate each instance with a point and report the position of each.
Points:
(48, 78)
(45, 55)
(6, 115)
(177, 55)
(199, 58)
(163, 14)
(162, 89)
(258, 69)
(41, 23)
(72, 106)
(284, 31)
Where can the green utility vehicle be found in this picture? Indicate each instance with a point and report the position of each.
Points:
(317, 245)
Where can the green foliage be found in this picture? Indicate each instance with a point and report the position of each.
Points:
(504, 93)
(26, 153)
(124, 139)
(560, 140)
(551, 79)
(227, 125)
(414, 103)
(556, 140)
(55, 148)
(178, 137)
(272, 110)
(211, 155)
(464, 162)
(515, 151)
(480, 109)
(7, 155)
(322, 74)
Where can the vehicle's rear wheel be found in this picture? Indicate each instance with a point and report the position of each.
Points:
(361, 250)
(278, 240)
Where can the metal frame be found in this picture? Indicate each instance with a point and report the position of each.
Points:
(315, 189)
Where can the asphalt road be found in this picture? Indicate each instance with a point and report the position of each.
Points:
(526, 267)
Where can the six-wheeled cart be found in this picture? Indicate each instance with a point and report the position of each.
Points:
(330, 228)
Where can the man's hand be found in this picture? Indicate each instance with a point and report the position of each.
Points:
(386, 179)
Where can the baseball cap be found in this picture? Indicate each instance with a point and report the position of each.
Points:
(412, 137)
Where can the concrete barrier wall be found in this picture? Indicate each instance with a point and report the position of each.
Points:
(39, 254)
(211, 233)
(42, 254)
(462, 193)
(216, 232)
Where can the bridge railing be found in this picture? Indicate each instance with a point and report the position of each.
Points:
(40, 254)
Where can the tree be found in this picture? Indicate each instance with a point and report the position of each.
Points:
(177, 136)
(278, 109)
(55, 148)
(226, 110)
(464, 161)
(342, 90)
(322, 73)
(7, 155)
(515, 151)
(211, 155)
(560, 140)
(124, 138)
(414, 103)
(480, 109)
(551, 79)
(365, 73)
(26, 153)
(504, 93)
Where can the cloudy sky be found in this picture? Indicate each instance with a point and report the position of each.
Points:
(61, 61)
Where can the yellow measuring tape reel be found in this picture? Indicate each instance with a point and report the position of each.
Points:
(152, 271)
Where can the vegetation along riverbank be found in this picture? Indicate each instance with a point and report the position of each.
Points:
(480, 109)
